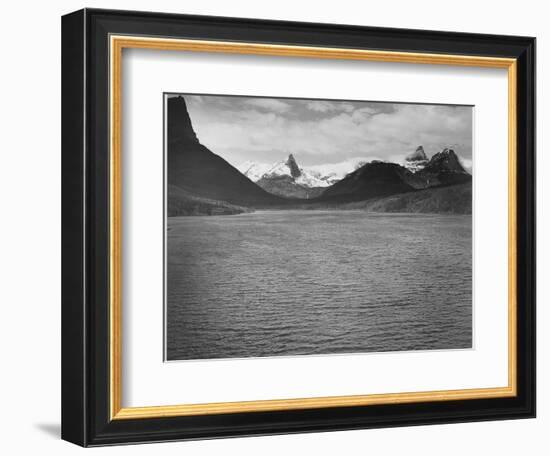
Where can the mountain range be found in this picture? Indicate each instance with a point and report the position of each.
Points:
(377, 178)
(286, 178)
(201, 182)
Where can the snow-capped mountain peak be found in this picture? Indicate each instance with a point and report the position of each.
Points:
(288, 167)
(253, 170)
(314, 176)
(416, 160)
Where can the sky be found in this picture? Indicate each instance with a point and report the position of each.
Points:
(318, 132)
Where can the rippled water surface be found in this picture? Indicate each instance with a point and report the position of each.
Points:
(278, 283)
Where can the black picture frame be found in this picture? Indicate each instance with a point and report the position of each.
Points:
(85, 224)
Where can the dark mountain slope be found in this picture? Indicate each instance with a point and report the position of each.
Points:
(444, 168)
(453, 199)
(194, 168)
(375, 179)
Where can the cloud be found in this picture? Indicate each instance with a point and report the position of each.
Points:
(268, 104)
(362, 114)
(344, 167)
(327, 106)
(320, 106)
(319, 131)
(467, 163)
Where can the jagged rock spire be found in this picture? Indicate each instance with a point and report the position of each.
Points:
(417, 155)
(294, 168)
(446, 160)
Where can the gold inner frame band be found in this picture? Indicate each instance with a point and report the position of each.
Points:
(117, 44)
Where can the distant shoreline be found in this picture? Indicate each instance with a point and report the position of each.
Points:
(454, 199)
(333, 210)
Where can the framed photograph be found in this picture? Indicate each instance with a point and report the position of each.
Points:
(278, 227)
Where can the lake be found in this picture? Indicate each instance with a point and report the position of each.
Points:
(280, 283)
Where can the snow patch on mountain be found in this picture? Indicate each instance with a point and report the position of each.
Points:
(333, 172)
(323, 175)
(253, 170)
(301, 176)
(416, 161)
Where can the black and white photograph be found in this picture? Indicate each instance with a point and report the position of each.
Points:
(274, 222)
(316, 227)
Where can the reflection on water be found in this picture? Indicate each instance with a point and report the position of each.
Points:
(277, 283)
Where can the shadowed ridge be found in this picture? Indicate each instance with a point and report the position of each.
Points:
(374, 179)
(180, 127)
(446, 160)
(193, 167)
(444, 168)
